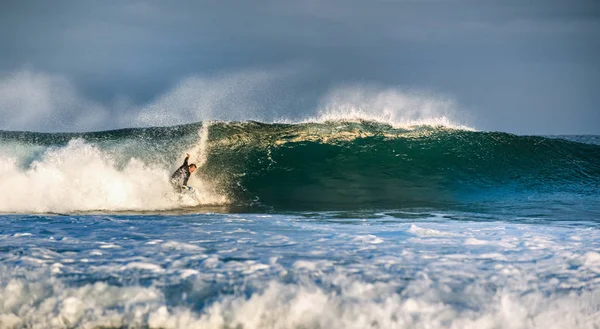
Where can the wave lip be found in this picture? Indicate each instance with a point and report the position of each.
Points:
(391, 106)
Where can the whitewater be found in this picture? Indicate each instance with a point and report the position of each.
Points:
(343, 221)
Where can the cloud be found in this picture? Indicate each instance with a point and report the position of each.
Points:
(146, 49)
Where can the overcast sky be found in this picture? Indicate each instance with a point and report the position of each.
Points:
(527, 67)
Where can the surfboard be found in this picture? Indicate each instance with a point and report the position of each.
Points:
(190, 191)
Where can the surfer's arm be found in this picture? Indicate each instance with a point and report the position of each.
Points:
(185, 162)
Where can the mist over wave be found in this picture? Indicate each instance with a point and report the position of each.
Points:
(389, 106)
(38, 101)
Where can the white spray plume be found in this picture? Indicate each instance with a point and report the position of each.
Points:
(230, 97)
(45, 102)
(82, 177)
(389, 105)
(36, 101)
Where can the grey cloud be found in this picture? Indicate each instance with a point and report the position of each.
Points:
(506, 62)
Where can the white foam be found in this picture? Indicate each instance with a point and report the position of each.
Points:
(82, 177)
(591, 260)
(421, 231)
(252, 267)
(312, 265)
(276, 241)
(355, 305)
(370, 239)
(17, 235)
(211, 262)
(181, 246)
(474, 242)
(109, 246)
(503, 243)
(188, 272)
(494, 256)
(142, 266)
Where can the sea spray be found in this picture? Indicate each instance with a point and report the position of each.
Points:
(206, 189)
(398, 108)
(81, 177)
(201, 148)
(107, 171)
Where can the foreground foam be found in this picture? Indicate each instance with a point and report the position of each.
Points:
(354, 304)
(217, 271)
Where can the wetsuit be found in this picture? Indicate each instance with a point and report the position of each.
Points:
(180, 176)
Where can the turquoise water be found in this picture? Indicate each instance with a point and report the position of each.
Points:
(329, 225)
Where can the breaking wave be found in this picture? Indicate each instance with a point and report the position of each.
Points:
(314, 165)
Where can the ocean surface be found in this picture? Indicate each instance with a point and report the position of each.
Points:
(345, 224)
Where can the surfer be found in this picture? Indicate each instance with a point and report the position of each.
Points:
(180, 177)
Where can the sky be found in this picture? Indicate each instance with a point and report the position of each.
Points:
(525, 67)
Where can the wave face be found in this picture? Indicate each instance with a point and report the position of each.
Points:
(329, 165)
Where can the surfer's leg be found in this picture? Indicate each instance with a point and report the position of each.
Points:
(176, 187)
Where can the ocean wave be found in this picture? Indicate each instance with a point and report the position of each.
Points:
(320, 165)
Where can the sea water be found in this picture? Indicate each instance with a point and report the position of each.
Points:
(314, 225)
